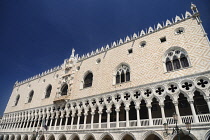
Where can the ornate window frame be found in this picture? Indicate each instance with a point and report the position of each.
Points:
(173, 56)
(122, 74)
(62, 88)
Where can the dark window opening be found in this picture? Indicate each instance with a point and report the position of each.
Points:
(169, 66)
(127, 75)
(31, 94)
(48, 91)
(184, 61)
(88, 80)
(118, 78)
(122, 77)
(143, 43)
(17, 100)
(130, 51)
(176, 63)
(163, 39)
(64, 90)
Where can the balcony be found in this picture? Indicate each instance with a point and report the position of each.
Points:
(203, 119)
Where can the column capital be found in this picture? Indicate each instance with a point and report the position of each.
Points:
(207, 99)
(79, 114)
(137, 107)
(117, 110)
(161, 105)
(149, 106)
(85, 114)
(191, 101)
(100, 112)
(108, 111)
(92, 113)
(175, 103)
(127, 108)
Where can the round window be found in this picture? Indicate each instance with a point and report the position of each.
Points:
(142, 44)
(179, 30)
(98, 61)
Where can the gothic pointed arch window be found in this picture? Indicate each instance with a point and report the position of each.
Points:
(48, 91)
(169, 66)
(64, 90)
(176, 58)
(123, 74)
(184, 61)
(17, 99)
(30, 96)
(176, 63)
(88, 80)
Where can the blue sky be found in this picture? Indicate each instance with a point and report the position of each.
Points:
(38, 35)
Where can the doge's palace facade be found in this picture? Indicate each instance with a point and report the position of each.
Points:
(123, 91)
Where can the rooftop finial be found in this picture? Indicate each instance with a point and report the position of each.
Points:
(194, 8)
(72, 52)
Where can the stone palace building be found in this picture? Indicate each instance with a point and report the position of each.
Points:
(123, 91)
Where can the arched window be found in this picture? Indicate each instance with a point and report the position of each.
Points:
(88, 80)
(48, 91)
(169, 66)
(64, 90)
(176, 63)
(176, 58)
(30, 97)
(17, 99)
(184, 61)
(123, 74)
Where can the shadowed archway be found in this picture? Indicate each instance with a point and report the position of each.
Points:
(152, 137)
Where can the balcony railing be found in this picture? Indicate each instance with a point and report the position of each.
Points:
(203, 118)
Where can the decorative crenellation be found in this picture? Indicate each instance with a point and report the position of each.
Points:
(127, 39)
(135, 36)
(38, 76)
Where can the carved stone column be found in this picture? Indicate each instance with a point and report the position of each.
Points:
(163, 113)
(61, 119)
(137, 107)
(208, 103)
(99, 119)
(67, 118)
(56, 118)
(108, 111)
(149, 106)
(52, 118)
(72, 119)
(117, 117)
(85, 119)
(127, 116)
(92, 118)
(177, 112)
(195, 117)
(78, 119)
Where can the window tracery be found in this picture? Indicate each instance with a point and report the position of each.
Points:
(179, 30)
(176, 59)
(123, 74)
